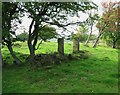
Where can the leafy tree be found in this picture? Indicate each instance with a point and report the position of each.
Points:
(108, 24)
(46, 33)
(101, 26)
(78, 37)
(113, 33)
(10, 13)
(93, 17)
(82, 31)
(81, 34)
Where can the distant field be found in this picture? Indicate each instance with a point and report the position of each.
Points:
(97, 74)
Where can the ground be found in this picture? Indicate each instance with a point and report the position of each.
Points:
(96, 74)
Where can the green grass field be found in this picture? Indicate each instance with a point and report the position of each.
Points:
(97, 74)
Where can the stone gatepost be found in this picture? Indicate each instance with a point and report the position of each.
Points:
(75, 45)
(61, 46)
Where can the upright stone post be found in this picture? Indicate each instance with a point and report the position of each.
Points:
(75, 45)
(61, 46)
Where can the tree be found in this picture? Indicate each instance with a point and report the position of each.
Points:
(78, 37)
(91, 20)
(108, 24)
(46, 33)
(53, 13)
(81, 33)
(10, 13)
(113, 32)
(83, 30)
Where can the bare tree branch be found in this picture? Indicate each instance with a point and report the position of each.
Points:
(64, 25)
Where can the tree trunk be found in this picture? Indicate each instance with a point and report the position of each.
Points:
(30, 46)
(31, 49)
(96, 42)
(35, 41)
(89, 37)
(13, 54)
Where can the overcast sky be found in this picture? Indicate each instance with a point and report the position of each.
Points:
(26, 21)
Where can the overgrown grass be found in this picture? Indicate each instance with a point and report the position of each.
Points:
(97, 74)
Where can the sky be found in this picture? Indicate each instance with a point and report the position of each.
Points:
(26, 21)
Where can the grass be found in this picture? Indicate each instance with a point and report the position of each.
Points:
(97, 74)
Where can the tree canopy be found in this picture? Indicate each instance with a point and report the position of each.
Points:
(108, 24)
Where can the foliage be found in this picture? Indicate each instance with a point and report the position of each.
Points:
(83, 30)
(93, 17)
(47, 33)
(93, 37)
(10, 14)
(108, 24)
(22, 37)
(81, 34)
